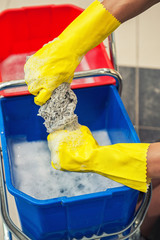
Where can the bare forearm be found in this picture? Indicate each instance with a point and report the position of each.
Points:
(123, 10)
(153, 161)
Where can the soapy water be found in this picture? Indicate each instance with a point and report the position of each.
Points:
(34, 175)
(101, 137)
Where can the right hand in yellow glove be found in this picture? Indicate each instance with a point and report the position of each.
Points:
(77, 150)
(56, 61)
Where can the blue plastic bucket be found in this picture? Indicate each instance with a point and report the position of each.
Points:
(70, 217)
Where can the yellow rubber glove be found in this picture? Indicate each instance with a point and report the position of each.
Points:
(56, 61)
(77, 150)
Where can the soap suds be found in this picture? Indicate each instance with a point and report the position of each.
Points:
(33, 174)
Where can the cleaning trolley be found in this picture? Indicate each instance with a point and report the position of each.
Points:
(109, 214)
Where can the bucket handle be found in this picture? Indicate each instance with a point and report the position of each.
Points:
(134, 225)
(83, 74)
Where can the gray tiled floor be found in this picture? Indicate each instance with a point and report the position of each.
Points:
(149, 101)
(128, 91)
(149, 135)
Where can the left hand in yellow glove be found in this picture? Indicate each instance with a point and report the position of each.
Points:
(77, 150)
(56, 61)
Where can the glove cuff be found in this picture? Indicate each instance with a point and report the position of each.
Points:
(89, 29)
(125, 163)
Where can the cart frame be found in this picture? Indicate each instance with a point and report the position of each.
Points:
(8, 225)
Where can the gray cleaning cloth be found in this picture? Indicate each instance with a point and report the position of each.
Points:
(58, 111)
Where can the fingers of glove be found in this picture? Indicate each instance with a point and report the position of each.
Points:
(34, 88)
(72, 150)
(42, 97)
(35, 85)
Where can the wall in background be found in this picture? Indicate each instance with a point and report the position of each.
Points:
(138, 40)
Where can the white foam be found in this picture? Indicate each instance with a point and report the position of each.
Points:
(34, 175)
(101, 137)
(12, 68)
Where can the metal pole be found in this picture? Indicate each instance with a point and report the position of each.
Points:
(83, 74)
(4, 209)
